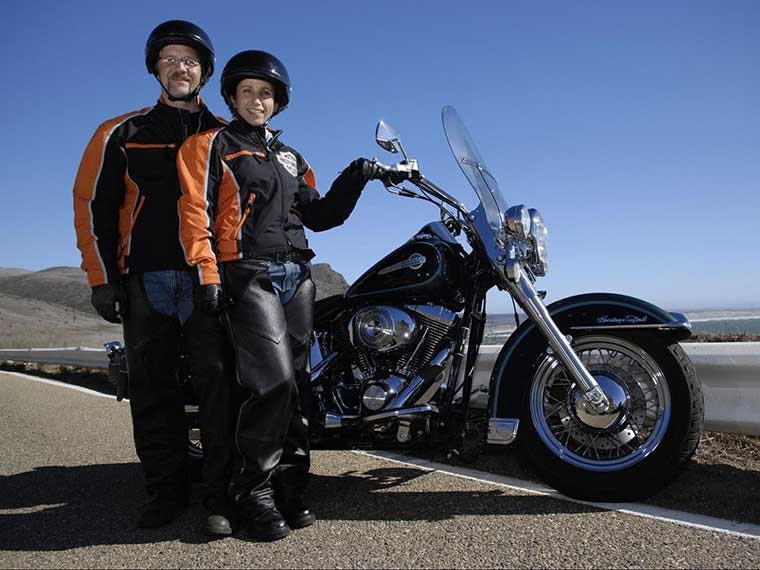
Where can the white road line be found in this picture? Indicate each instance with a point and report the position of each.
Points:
(636, 509)
(59, 384)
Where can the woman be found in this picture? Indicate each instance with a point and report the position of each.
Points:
(246, 197)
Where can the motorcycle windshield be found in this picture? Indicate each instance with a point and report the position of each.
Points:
(474, 167)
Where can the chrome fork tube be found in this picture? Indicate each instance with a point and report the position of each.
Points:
(528, 299)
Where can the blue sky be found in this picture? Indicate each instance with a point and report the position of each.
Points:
(633, 126)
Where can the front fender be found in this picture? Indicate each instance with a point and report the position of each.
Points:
(591, 312)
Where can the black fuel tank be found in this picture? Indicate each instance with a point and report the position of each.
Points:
(427, 268)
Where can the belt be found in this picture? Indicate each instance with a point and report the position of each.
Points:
(285, 256)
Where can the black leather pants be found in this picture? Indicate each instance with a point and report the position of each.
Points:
(271, 345)
(157, 402)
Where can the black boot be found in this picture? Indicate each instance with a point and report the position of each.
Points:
(160, 510)
(261, 517)
(223, 518)
(290, 494)
(297, 514)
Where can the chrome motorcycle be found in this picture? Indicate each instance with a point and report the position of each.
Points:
(595, 388)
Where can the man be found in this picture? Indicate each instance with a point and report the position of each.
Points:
(125, 212)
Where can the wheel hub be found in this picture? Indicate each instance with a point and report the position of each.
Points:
(609, 420)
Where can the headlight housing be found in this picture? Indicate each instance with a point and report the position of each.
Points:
(517, 219)
(538, 238)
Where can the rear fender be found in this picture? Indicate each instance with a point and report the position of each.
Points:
(591, 312)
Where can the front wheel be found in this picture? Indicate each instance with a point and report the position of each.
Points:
(635, 449)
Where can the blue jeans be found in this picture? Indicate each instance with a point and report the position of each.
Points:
(286, 278)
(170, 293)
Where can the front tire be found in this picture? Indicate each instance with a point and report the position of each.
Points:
(631, 452)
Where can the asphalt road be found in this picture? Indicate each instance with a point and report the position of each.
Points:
(70, 489)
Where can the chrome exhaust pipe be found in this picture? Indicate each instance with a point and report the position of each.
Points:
(425, 385)
(404, 413)
(334, 421)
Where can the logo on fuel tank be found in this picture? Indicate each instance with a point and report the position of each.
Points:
(414, 261)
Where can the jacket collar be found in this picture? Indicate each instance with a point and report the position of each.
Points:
(263, 134)
(163, 108)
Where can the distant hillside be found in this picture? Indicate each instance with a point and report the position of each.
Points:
(52, 307)
(66, 286)
(31, 323)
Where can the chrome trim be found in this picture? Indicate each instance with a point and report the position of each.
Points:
(656, 326)
(401, 330)
(415, 261)
(435, 313)
(518, 220)
(403, 398)
(440, 360)
(680, 322)
(526, 296)
(502, 431)
(333, 421)
(402, 413)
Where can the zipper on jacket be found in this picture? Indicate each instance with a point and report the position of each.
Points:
(132, 223)
(246, 213)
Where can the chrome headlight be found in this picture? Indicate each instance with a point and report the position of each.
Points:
(518, 220)
(538, 237)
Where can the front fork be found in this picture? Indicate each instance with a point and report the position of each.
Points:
(526, 296)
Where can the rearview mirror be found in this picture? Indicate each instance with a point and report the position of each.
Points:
(388, 139)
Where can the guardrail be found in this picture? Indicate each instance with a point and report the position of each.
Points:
(729, 373)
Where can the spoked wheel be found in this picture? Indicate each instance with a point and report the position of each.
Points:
(638, 445)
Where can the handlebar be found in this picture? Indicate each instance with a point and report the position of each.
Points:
(408, 170)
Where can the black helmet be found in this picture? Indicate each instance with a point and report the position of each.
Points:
(258, 65)
(183, 33)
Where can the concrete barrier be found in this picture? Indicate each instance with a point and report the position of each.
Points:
(729, 373)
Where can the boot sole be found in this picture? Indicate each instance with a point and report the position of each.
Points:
(271, 537)
(302, 522)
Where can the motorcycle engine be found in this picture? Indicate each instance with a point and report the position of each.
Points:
(388, 346)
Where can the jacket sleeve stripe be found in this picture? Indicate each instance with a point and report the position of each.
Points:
(234, 155)
(86, 188)
(149, 145)
(310, 178)
(199, 192)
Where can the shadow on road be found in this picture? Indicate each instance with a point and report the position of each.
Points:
(385, 494)
(59, 508)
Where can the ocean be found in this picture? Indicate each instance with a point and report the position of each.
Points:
(500, 326)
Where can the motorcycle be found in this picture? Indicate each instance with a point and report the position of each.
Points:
(602, 399)
(594, 388)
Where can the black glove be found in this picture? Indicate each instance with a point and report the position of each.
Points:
(105, 298)
(364, 170)
(372, 171)
(209, 298)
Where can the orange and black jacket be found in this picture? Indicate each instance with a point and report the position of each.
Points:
(126, 191)
(244, 196)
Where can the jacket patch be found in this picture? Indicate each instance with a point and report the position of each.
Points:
(288, 160)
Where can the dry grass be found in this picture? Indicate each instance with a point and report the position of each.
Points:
(739, 451)
(724, 337)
